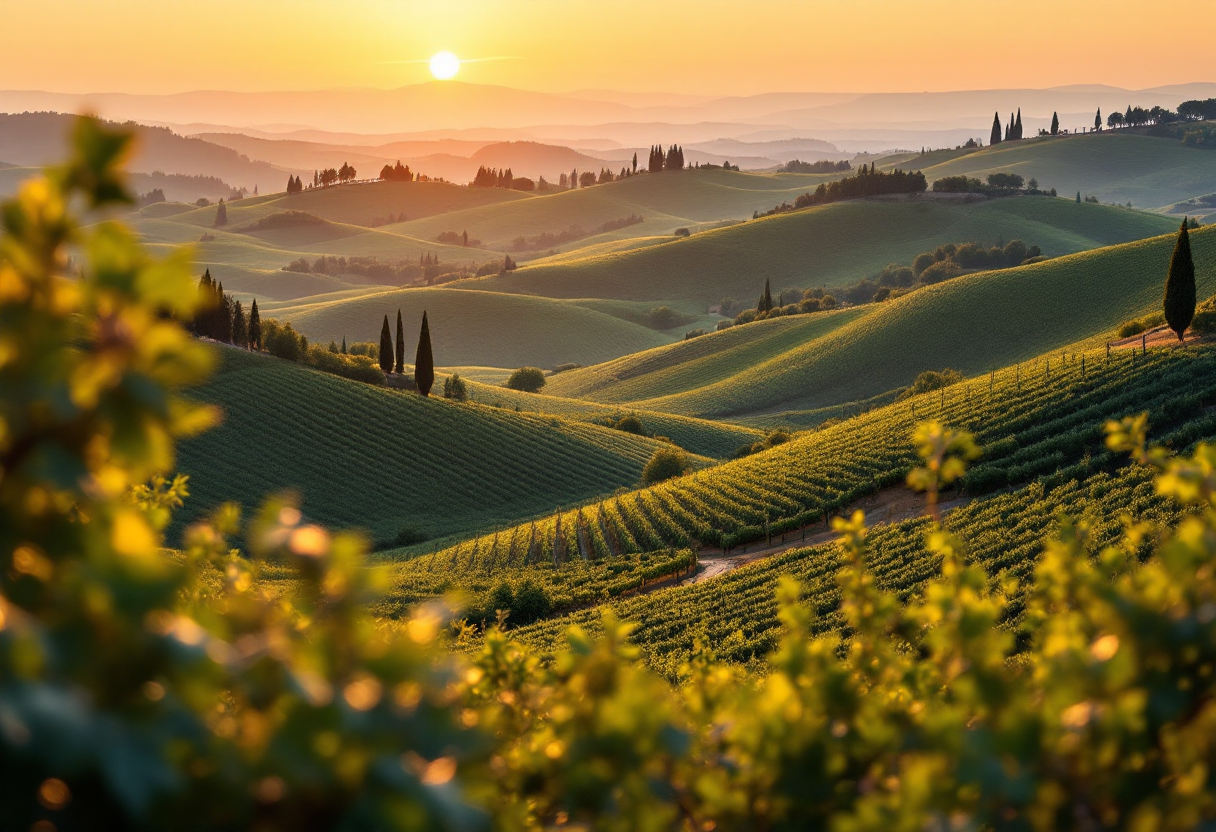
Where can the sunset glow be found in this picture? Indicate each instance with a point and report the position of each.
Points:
(444, 66)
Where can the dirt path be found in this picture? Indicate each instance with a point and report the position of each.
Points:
(891, 505)
(1161, 336)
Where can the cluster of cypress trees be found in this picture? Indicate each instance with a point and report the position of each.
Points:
(867, 182)
(221, 214)
(392, 357)
(294, 185)
(493, 178)
(397, 173)
(765, 303)
(1013, 130)
(221, 318)
(673, 159)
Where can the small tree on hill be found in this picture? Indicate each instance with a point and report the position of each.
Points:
(424, 361)
(527, 379)
(1098, 120)
(240, 326)
(400, 345)
(344, 345)
(255, 327)
(1055, 124)
(386, 347)
(664, 464)
(1180, 286)
(996, 137)
(221, 214)
(454, 388)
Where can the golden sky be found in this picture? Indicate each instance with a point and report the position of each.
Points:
(696, 46)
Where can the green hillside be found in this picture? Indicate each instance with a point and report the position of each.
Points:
(700, 436)
(830, 245)
(689, 365)
(1115, 166)
(384, 460)
(666, 201)
(479, 328)
(973, 324)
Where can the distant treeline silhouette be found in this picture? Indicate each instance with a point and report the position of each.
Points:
(822, 166)
(867, 182)
(398, 271)
(397, 173)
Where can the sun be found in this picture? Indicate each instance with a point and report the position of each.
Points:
(444, 65)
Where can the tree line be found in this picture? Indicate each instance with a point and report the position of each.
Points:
(868, 181)
(659, 161)
(822, 166)
(221, 317)
(396, 173)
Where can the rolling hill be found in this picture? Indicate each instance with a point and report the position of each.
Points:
(826, 246)
(666, 201)
(480, 328)
(690, 365)
(383, 460)
(974, 324)
(1115, 166)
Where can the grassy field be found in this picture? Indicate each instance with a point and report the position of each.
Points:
(974, 324)
(831, 245)
(666, 202)
(700, 436)
(1115, 166)
(486, 329)
(690, 365)
(383, 460)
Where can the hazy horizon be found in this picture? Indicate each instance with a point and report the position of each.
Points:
(705, 49)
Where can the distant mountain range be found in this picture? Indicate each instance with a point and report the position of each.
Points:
(450, 109)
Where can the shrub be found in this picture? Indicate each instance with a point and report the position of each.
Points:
(682, 232)
(664, 464)
(664, 317)
(1205, 317)
(693, 333)
(629, 424)
(1134, 327)
(827, 302)
(527, 379)
(353, 367)
(454, 388)
(281, 341)
(931, 380)
(746, 316)
(723, 325)
(562, 368)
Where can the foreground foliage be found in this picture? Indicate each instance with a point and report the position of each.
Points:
(139, 690)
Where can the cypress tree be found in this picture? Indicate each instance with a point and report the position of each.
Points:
(344, 345)
(1055, 124)
(1098, 120)
(240, 326)
(1180, 285)
(221, 215)
(1078, 197)
(424, 361)
(400, 345)
(386, 348)
(995, 138)
(255, 327)
(1018, 129)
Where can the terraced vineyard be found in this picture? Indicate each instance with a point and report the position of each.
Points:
(383, 460)
(1041, 418)
(735, 616)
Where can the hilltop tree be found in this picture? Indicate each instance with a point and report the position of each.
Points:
(424, 361)
(221, 214)
(400, 345)
(995, 138)
(635, 162)
(386, 348)
(573, 178)
(1098, 121)
(1055, 124)
(766, 298)
(1017, 130)
(240, 326)
(255, 327)
(1180, 285)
